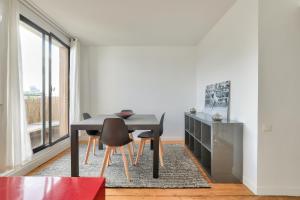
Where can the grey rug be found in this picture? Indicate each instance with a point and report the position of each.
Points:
(179, 172)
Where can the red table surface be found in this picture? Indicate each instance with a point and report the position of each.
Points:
(54, 188)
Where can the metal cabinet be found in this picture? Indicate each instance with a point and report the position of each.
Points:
(218, 146)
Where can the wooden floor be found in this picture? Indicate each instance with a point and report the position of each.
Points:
(217, 191)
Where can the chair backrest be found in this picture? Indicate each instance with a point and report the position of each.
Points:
(127, 111)
(161, 124)
(89, 132)
(115, 132)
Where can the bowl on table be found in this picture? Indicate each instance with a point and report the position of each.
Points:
(124, 115)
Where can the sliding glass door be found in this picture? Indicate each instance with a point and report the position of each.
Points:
(33, 83)
(45, 61)
(59, 92)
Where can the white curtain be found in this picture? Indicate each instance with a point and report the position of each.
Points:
(74, 81)
(18, 146)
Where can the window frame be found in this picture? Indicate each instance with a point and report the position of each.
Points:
(50, 35)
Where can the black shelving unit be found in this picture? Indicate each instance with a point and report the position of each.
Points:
(197, 149)
(191, 143)
(198, 130)
(187, 139)
(216, 145)
(206, 136)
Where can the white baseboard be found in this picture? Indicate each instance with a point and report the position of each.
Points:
(250, 185)
(279, 191)
(271, 190)
(39, 158)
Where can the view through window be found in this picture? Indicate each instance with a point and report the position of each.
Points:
(45, 62)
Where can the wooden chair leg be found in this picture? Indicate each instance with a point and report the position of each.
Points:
(125, 163)
(109, 158)
(130, 153)
(139, 151)
(88, 150)
(161, 153)
(133, 147)
(104, 162)
(143, 146)
(114, 150)
(133, 143)
(94, 145)
(161, 146)
(108, 162)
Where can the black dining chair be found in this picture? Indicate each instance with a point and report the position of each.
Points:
(149, 135)
(130, 132)
(93, 136)
(115, 135)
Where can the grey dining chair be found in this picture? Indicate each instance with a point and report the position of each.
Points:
(149, 135)
(94, 135)
(130, 132)
(115, 135)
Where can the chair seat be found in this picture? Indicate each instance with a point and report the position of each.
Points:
(146, 134)
(93, 133)
(125, 143)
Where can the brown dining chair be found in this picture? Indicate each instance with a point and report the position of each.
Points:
(115, 135)
(94, 135)
(130, 132)
(148, 136)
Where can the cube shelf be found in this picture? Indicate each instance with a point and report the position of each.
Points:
(206, 136)
(192, 126)
(197, 150)
(206, 159)
(191, 143)
(215, 144)
(187, 123)
(186, 138)
(197, 130)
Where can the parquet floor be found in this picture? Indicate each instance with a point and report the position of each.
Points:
(216, 192)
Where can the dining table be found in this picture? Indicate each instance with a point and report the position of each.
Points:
(135, 122)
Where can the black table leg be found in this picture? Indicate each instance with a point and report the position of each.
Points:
(151, 145)
(100, 145)
(156, 154)
(74, 153)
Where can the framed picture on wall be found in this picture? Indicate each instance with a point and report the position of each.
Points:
(217, 99)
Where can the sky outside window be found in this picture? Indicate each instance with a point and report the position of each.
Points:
(32, 63)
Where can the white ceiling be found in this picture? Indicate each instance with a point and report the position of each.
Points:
(136, 22)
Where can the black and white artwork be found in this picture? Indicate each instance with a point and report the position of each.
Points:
(217, 99)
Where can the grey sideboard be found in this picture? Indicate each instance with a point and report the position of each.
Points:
(218, 146)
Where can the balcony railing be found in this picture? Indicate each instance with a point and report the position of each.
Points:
(34, 114)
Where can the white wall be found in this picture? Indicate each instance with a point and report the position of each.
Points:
(279, 97)
(3, 5)
(230, 52)
(147, 79)
(3, 39)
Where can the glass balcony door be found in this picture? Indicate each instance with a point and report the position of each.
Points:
(45, 61)
(32, 49)
(59, 89)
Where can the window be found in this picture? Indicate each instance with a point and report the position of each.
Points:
(45, 61)
(59, 89)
